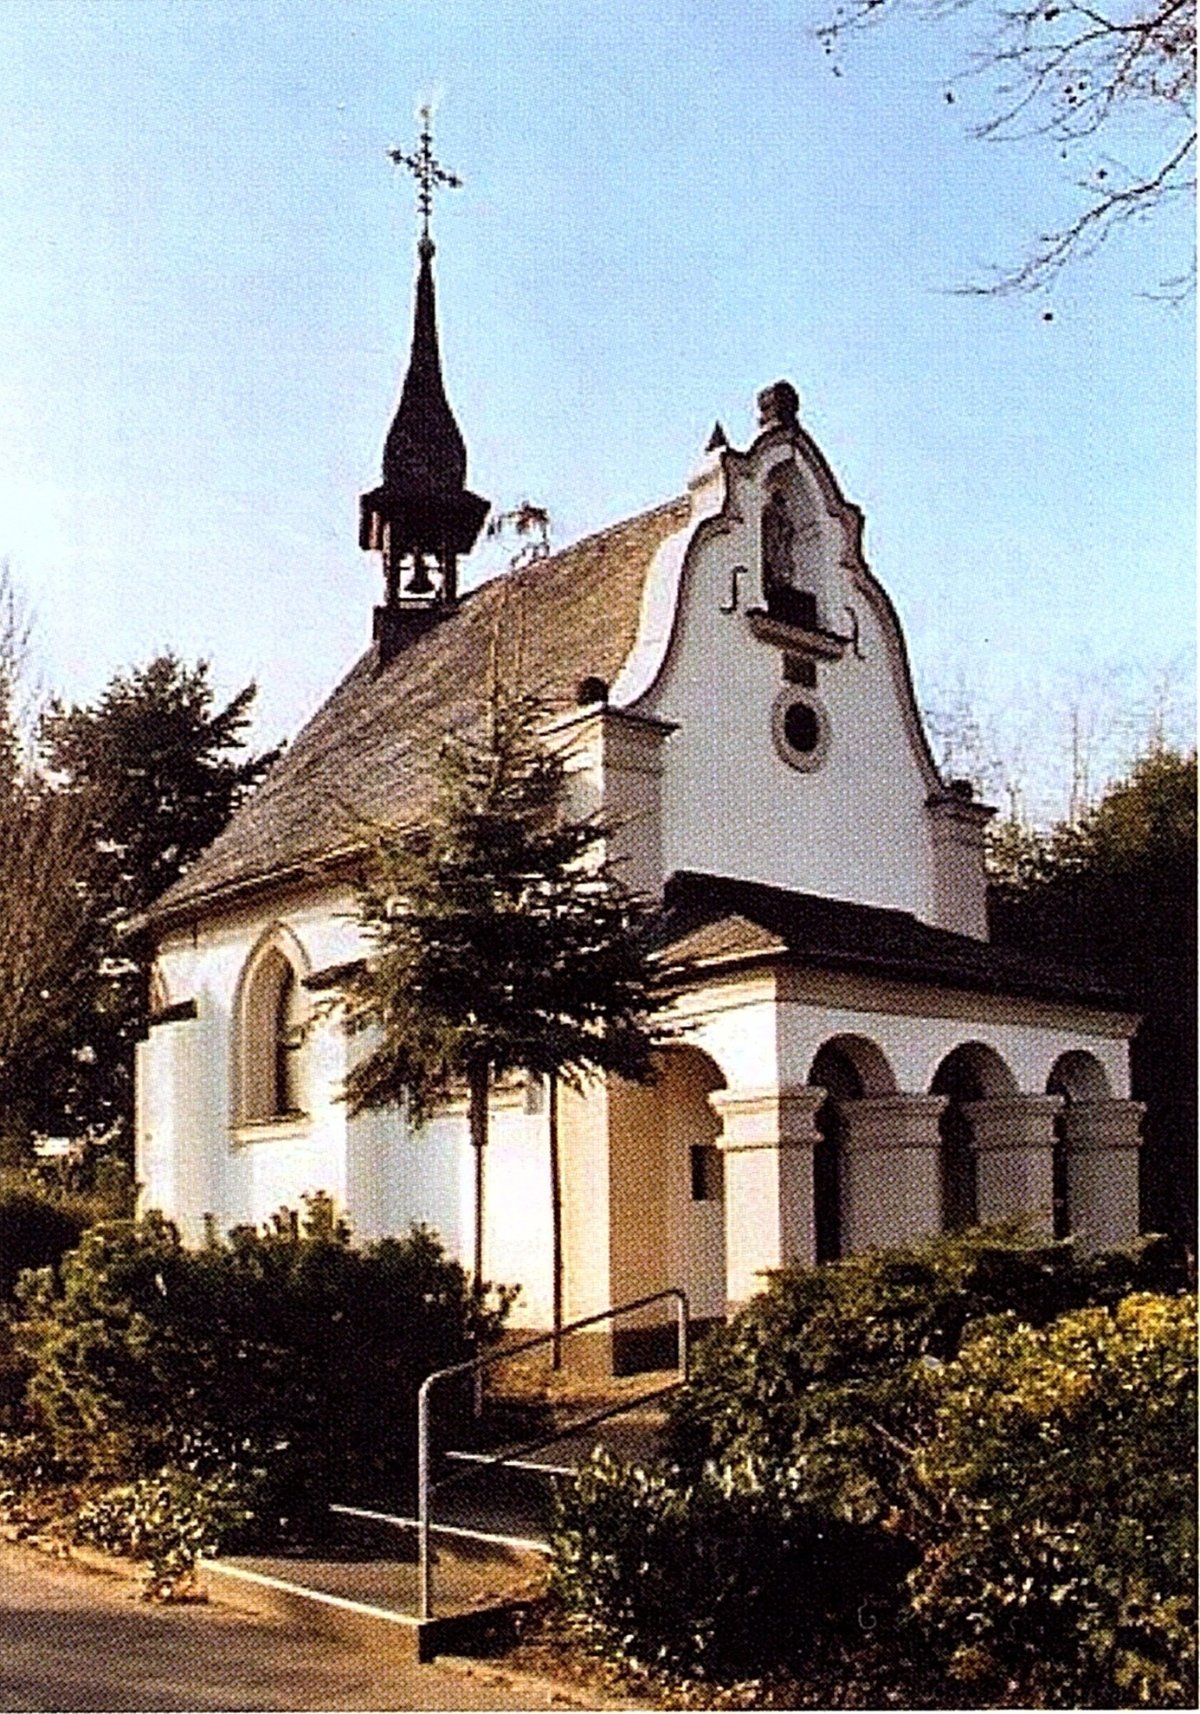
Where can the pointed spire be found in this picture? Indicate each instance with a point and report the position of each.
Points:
(717, 439)
(424, 453)
(422, 516)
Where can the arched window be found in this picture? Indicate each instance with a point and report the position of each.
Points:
(289, 1040)
(272, 1034)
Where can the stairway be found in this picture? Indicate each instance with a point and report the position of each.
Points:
(490, 1516)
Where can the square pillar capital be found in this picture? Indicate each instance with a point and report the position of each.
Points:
(876, 1123)
(1013, 1121)
(1108, 1124)
(767, 1118)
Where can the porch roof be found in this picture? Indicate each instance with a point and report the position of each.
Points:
(715, 919)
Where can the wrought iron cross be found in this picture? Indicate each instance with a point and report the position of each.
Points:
(426, 170)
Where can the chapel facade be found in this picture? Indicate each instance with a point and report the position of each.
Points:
(856, 1065)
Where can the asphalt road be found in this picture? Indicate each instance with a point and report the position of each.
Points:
(72, 1639)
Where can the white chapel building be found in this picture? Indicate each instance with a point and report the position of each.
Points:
(858, 1065)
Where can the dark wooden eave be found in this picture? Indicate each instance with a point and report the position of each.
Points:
(712, 919)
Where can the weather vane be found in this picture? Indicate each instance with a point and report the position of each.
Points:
(426, 170)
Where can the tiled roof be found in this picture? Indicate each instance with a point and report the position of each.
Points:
(712, 919)
(366, 755)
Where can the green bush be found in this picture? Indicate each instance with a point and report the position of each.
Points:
(1055, 1508)
(170, 1520)
(794, 1507)
(38, 1225)
(288, 1353)
(817, 1372)
(27, 1466)
(714, 1578)
(15, 1371)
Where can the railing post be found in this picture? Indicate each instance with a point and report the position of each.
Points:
(424, 1569)
(681, 1314)
(475, 1368)
(477, 1391)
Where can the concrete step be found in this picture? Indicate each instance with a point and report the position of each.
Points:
(365, 1592)
(491, 1526)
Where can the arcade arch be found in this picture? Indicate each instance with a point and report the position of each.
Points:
(1077, 1077)
(848, 1068)
(971, 1072)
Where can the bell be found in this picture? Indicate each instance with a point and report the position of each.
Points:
(420, 582)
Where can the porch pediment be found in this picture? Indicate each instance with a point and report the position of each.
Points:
(728, 937)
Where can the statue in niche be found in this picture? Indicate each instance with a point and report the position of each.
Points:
(784, 599)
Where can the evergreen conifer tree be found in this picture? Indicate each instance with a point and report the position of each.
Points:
(503, 941)
(153, 771)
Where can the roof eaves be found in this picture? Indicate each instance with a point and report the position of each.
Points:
(169, 911)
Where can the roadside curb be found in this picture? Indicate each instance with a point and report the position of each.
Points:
(84, 1557)
(543, 1691)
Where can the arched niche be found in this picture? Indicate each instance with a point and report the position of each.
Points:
(792, 548)
(271, 1019)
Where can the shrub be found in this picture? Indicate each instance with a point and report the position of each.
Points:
(288, 1352)
(169, 1519)
(817, 1372)
(28, 1465)
(15, 1371)
(38, 1225)
(795, 1508)
(1056, 1507)
(712, 1578)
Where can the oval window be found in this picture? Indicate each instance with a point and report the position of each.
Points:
(800, 727)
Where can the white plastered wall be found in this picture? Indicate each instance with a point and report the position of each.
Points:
(765, 1031)
(856, 827)
(1029, 1037)
(194, 1158)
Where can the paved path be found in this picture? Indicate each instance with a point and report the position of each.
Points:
(72, 1639)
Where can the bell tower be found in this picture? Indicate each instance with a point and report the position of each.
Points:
(422, 516)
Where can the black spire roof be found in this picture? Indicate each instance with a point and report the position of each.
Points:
(422, 516)
(423, 497)
(424, 453)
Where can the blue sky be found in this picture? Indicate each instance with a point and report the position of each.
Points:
(204, 314)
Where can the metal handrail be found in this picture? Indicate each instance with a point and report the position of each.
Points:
(488, 1461)
(476, 1366)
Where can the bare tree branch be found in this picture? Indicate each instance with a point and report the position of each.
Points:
(1076, 74)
